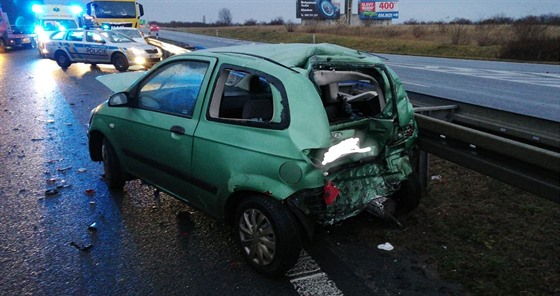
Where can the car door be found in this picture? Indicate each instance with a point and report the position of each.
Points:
(74, 45)
(95, 48)
(156, 134)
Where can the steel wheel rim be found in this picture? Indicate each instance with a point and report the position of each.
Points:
(258, 239)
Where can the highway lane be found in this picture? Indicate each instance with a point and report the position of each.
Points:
(523, 88)
(529, 89)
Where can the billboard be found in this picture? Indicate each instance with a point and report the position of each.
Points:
(317, 9)
(375, 10)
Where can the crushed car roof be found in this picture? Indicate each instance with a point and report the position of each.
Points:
(295, 54)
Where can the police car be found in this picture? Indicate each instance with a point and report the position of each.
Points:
(99, 47)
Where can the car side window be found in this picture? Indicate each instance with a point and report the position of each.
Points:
(174, 88)
(94, 37)
(75, 36)
(58, 35)
(248, 96)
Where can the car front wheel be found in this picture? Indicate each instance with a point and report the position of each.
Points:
(120, 62)
(112, 170)
(268, 234)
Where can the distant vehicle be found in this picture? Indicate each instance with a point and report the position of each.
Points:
(271, 138)
(50, 18)
(17, 30)
(131, 33)
(117, 13)
(154, 28)
(99, 47)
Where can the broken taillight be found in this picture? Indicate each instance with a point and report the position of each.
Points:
(330, 193)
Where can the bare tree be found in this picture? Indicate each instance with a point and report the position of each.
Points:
(224, 17)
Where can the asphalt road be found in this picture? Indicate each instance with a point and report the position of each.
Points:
(143, 243)
(523, 88)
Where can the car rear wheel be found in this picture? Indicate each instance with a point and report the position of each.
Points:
(113, 174)
(268, 234)
(120, 62)
(409, 195)
(62, 59)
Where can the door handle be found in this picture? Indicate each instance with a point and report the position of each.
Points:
(177, 130)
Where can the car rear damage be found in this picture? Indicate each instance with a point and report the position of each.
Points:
(372, 132)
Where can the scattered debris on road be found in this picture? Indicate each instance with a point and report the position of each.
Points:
(82, 248)
(386, 247)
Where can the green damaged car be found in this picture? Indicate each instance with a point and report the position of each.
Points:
(270, 138)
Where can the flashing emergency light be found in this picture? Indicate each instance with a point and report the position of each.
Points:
(76, 9)
(39, 30)
(106, 26)
(36, 8)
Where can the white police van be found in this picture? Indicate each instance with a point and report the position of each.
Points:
(97, 46)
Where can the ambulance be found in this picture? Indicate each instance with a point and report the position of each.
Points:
(50, 18)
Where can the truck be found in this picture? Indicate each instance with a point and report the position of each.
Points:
(50, 18)
(16, 27)
(116, 13)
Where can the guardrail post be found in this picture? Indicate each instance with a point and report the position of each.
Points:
(422, 168)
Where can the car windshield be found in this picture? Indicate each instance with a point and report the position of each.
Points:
(116, 37)
(107, 9)
(129, 33)
(58, 25)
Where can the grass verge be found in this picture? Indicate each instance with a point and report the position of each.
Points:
(490, 237)
(469, 42)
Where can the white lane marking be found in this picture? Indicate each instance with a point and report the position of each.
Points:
(417, 84)
(308, 279)
(541, 79)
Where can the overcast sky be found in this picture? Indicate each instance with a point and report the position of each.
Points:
(265, 10)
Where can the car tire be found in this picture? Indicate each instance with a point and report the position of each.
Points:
(113, 174)
(409, 195)
(62, 59)
(120, 62)
(268, 235)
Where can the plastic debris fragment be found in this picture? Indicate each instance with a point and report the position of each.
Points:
(81, 248)
(436, 177)
(92, 203)
(63, 169)
(81, 170)
(386, 247)
(92, 226)
(51, 192)
(89, 191)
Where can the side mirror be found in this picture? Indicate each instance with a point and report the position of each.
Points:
(118, 100)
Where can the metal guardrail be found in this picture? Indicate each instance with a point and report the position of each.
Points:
(169, 47)
(516, 149)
